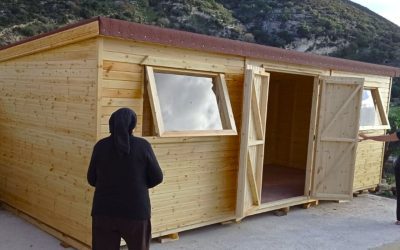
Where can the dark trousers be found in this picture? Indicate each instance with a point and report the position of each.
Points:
(397, 178)
(107, 233)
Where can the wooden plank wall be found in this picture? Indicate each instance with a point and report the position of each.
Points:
(200, 174)
(47, 132)
(369, 160)
(288, 120)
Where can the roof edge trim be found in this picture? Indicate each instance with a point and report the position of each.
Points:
(183, 39)
(64, 28)
(187, 40)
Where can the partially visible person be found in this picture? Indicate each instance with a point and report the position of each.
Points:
(389, 138)
(122, 169)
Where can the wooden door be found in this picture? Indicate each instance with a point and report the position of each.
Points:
(251, 159)
(336, 138)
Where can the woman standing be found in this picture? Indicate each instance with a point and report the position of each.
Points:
(122, 169)
(387, 138)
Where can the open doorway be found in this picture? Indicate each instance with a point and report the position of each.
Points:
(286, 136)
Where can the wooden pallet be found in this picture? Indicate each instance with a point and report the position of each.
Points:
(282, 211)
(310, 204)
(168, 238)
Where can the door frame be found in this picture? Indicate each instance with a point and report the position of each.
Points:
(263, 207)
(312, 136)
(311, 155)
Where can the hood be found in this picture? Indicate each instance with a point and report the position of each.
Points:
(122, 122)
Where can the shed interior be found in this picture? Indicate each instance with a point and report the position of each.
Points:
(287, 136)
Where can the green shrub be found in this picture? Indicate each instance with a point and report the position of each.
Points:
(304, 30)
(395, 91)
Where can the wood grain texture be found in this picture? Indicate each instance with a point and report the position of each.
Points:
(336, 141)
(59, 39)
(369, 158)
(200, 173)
(288, 123)
(57, 94)
(47, 131)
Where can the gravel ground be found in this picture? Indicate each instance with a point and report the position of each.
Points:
(367, 222)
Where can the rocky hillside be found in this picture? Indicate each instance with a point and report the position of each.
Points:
(340, 28)
(331, 27)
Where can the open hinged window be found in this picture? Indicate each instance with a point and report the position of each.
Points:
(373, 115)
(188, 103)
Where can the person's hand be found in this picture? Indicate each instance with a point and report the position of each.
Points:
(363, 137)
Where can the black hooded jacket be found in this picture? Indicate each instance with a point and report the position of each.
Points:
(122, 169)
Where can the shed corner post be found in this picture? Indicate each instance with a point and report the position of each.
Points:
(99, 85)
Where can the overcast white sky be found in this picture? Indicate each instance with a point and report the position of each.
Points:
(389, 9)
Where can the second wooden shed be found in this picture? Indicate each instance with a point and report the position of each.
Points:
(238, 128)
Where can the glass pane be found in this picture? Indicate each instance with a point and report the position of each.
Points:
(187, 102)
(369, 113)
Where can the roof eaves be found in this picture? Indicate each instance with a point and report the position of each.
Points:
(67, 27)
(152, 34)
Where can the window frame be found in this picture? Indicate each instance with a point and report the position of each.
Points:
(378, 104)
(223, 102)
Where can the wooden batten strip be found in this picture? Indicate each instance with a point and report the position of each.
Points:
(256, 142)
(336, 139)
(158, 140)
(193, 133)
(311, 135)
(244, 143)
(382, 112)
(256, 114)
(225, 100)
(264, 99)
(252, 180)
(375, 128)
(154, 102)
(368, 77)
(167, 62)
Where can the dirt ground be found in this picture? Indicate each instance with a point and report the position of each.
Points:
(367, 222)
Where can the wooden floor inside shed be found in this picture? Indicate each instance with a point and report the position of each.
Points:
(281, 182)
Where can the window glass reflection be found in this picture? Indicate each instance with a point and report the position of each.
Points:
(187, 102)
(369, 114)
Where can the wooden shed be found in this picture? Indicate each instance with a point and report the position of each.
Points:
(238, 128)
